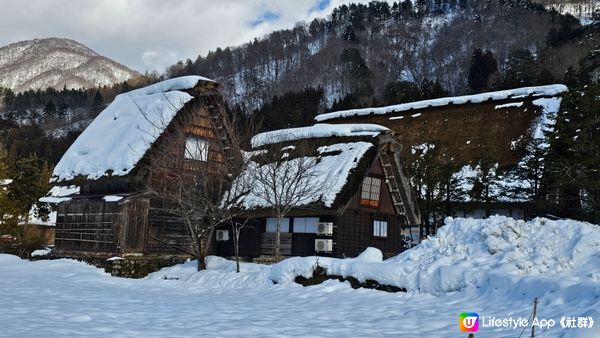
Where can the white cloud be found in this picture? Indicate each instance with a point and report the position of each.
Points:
(152, 34)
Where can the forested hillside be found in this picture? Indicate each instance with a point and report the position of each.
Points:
(359, 49)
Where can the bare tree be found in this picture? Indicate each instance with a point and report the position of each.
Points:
(285, 178)
(193, 166)
(237, 227)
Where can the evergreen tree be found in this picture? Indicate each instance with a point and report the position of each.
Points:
(522, 69)
(574, 155)
(98, 103)
(27, 187)
(8, 209)
(432, 90)
(483, 66)
(358, 73)
(50, 108)
(401, 92)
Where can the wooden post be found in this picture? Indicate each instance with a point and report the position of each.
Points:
(535, 303)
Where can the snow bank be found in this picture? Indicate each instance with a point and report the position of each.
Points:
(475, 251)
(550, 90)
(41, 252)
(489, 254)
(220, 273)
(316, 131)
(122, 133)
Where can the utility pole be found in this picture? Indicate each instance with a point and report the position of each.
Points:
(535, 303)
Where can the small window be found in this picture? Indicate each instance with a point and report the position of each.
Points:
(272, 225)
(371, 190)
(196, 149)
(380, 228)
(307, 225)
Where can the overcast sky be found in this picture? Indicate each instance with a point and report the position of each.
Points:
(152, 34)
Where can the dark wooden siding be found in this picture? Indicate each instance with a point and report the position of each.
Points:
(354, 233)
(86, 226)
(132, 225)
(250, 240)
(167, 234)
(354, 228)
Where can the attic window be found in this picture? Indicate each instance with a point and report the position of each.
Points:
(371, 190)
(196, 149)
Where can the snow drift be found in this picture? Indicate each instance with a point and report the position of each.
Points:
(497, 252)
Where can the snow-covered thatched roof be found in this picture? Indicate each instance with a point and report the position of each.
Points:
(122, 133)
(337, 153)
(539, 91)
(317, 131)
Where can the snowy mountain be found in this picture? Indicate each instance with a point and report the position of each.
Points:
(54, 62)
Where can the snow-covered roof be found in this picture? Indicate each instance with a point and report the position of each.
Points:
(316, 131)
(539, 91)
(339, 150)
(122, 133)
(510, 186)
(333, 164)
(59, 194)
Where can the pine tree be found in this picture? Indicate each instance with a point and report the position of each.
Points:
(483, 66)
(522, 69)
(98, 102)
(8, 210)
(26, 187)
(574, 155)
(396, 92)
(358, 73)
(50, 108)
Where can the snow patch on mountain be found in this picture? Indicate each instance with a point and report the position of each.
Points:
(54, 62)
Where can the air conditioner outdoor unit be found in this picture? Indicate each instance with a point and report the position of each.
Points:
(222, 235)
(325, 228)
(324, 245)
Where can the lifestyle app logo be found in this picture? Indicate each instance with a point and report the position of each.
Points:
(468, 321)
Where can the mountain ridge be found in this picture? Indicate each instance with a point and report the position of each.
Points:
(57, 62)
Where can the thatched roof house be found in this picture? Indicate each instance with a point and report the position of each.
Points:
(479, 135)
(355, 194)
(109, 166)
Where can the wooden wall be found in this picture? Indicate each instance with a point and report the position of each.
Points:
(167, 234)
(93, 226)
(354, 231)
(86, 226)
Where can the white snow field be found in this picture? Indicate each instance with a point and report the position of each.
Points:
(494, 267)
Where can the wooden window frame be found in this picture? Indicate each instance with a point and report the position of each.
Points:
(379, 231)
(204, 154)
(370, 192)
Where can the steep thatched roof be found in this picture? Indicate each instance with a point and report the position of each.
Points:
(122, 133)
(340, 157)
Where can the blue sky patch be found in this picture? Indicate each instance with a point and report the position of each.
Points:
(320, 5)
(266, 16)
